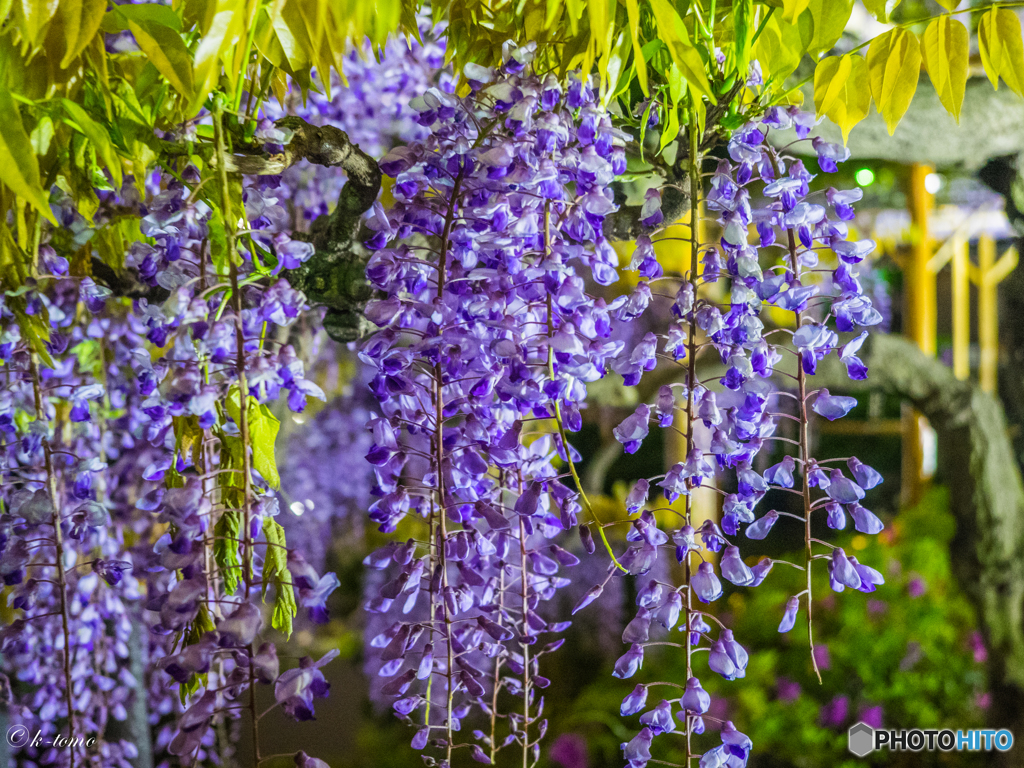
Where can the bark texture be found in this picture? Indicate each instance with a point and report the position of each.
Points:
(987, 499)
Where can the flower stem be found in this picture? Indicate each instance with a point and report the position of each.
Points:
(243, 408)
(805, 455)
(439, 466)
(558, 412)
(525, 591)
(695, 188)
(58, 537)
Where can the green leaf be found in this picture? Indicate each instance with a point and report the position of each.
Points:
(19, 169)
(32, 16)
(949, 5)
(828, 20)
(946, 49)
(671, 132)
(633, 14)
(218, 241)
(841, 91)
(894, 67)
(42, 135)
(263, 429)
(34, 329)
(793, 8)
(146, 13)
(1002, 52)
(743, 30)
(98, 135)
(81, 20)
(198, 14)
(779, 48)
(225, 548)
(275, 571)
(881, 9)
(673, 33)
(264, 426)
(165, 49)
(224, 31)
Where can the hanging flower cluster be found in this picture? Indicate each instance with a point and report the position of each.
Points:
(728, 424)
(133, 426)
(487, 340)
(137, 472)
(167, 507)
(62, 551)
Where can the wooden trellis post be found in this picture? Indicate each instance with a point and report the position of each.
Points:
(919, 325)
(987, 275)
(920, 272)
(961, 307)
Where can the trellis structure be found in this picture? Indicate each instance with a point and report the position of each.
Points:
(921, 266)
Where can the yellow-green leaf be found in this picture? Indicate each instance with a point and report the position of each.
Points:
(671, 131)
(198, 14)
(1001, 48)
(42, 135)
(225, 548)
(32, 16)
(263, 429)
(841, 91)
(778, 48)
(292, 39)
(600, 23)
(949, 5)
(793, 8)
(98, 135)
(946, 56)
(148, 13)
(218, 241)
(828, 19)
(167, 52)
(828, 78)
(81, 21)
(673, 33)
(224, 31)
(881, 9)
(34, 329)
(743, 32)
(275, 571)
(19, 169)
(894, 67)
(639, 62)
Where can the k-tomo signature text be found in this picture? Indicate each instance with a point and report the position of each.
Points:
(19, 736)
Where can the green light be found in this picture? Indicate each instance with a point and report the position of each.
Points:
(865, 177)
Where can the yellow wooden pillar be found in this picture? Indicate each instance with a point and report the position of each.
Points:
(919, 322)
(921, 315)
(704, 503)
(987, 275)
(961, 309)
(988, 328)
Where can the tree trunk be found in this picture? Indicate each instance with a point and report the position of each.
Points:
(987, 500)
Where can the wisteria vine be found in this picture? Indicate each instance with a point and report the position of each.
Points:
(139, 475)
(741, 418)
